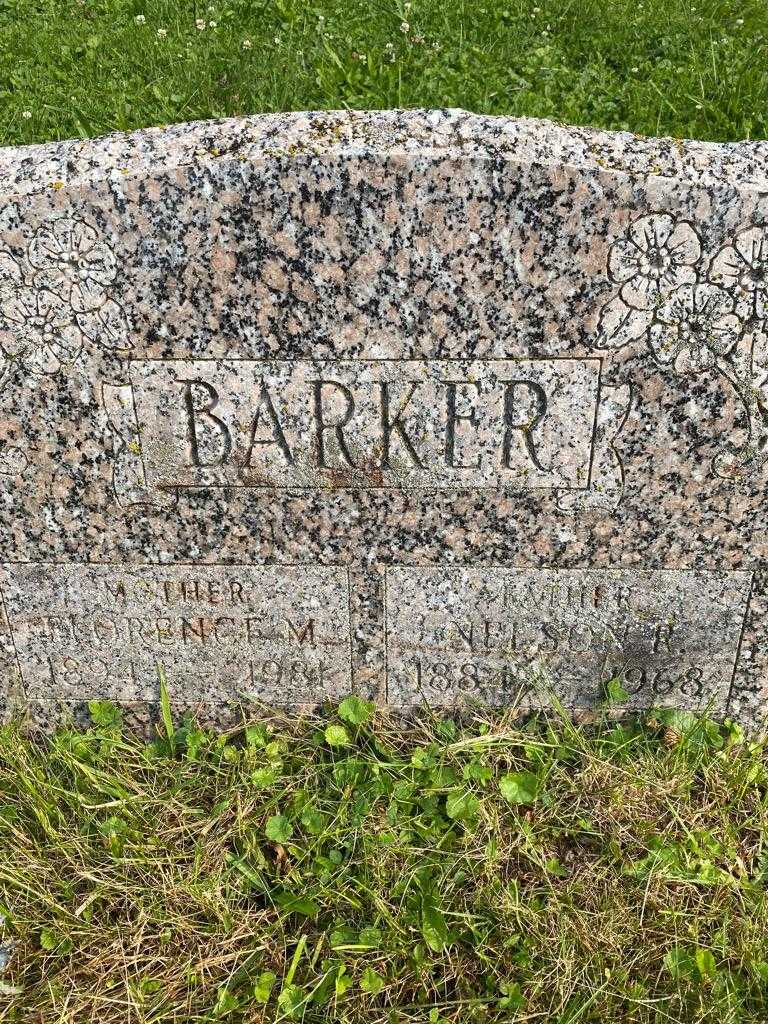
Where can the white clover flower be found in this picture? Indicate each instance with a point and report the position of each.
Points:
(634, 70)
(162, 33)
(211, 24)
(247, 44)
(200, 24)
(739, 21)
(404, 26)
(277, 40)
(26, 114)
(140, 19)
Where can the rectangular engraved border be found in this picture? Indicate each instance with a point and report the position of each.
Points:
(508, 489)
(14, 655)
(726, 704)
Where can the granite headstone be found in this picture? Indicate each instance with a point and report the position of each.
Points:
(422, 405)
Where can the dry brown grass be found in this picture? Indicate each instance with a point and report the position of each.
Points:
(151, 883)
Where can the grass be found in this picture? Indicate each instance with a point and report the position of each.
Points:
(343, 868)
(346, 868)
(71, 68)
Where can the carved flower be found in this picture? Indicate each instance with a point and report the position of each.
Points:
(73, 263)
(36, 331)
(743, 266)
(106, 326)
(695, 325)
(656, 255)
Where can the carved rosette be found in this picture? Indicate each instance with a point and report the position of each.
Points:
(55, 300)
(696, 315)
(55, 303)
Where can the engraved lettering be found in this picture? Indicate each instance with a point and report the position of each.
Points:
(197, 412)
(197, 621)
(277, 434)
(136, 630)
(321, 425)
(252, 631)
(662, 638)
(495, 423)
(513, 424)
(190, 590)
(466, 633)
(304, 635)
(487, 640)
(393, 424)
(219, 632)
(164, 630)
(115, 589)
(453, 418)
(667, 634)
(193, 629)
(105, 630)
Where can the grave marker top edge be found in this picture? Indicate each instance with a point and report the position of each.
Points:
(75, 163)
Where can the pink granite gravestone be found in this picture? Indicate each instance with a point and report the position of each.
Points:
(422, 405)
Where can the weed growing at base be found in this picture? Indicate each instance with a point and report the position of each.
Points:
(345, 869)
(72, 68)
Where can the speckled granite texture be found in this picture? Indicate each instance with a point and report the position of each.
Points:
(338, 398)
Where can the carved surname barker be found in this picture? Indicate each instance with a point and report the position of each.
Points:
(385, 424)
